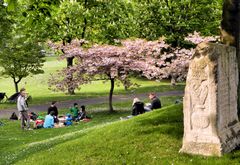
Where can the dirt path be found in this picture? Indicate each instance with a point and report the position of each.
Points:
(89, 101)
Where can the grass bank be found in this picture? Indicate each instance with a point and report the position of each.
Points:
(151, 138)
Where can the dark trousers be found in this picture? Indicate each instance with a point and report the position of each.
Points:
(24, 117)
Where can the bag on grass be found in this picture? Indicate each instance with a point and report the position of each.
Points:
(33, 116)
(13, 116)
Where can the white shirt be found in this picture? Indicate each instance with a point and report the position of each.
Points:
(21, 104)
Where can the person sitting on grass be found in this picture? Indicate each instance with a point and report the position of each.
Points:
(69, 119)
(155, 103)
(39, 122)
(83, 114)
(49, 120)
(54, 108)
(137, 108)
(74, 110)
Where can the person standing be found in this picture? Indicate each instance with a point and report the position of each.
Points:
(54, 108)
(23, 109)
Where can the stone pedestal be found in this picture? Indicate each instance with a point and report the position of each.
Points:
(211, 125)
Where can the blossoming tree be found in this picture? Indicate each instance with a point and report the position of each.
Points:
(152, 59)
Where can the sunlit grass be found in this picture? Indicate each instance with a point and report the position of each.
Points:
(151, 138)
(37, 86)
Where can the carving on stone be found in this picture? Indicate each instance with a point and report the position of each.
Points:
(211, 125)
(199, 118)
(198, 95)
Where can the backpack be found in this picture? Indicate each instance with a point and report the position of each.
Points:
(13, 116)
(33, 116)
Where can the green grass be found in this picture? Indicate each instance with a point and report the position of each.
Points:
(14, 140)
(151, 138)
(15, 143)
(37, 86)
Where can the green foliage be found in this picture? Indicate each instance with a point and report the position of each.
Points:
(105, 21)
(97, 21)
(20, 58)
(5, 24)
(11, 4)
(174, 19)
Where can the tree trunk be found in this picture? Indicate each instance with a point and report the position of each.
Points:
(84, 28)
(111, 94)
(238, 54)
(16, 86)
(69, 64)
(230, 21)
(16, 83)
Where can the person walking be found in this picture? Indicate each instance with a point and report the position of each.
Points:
(23, 109)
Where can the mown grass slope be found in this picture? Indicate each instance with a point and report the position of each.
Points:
(151, 138)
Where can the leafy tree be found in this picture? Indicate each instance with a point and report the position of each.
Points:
(20, 58)
(174, 19)
(96, 21)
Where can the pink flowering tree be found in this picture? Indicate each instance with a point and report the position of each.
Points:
(152, 59)
(106, 61)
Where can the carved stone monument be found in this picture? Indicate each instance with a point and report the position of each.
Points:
(211, 125)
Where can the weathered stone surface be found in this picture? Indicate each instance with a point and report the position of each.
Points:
(211, 125)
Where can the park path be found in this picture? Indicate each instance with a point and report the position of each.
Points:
(88, 101)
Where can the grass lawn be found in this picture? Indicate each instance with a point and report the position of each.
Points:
(13, 140)
(37, 86)
(151, 138)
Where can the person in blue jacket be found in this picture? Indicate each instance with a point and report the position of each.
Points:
(49, 120)
(69, 120)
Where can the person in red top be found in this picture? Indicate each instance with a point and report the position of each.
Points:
(39, 122)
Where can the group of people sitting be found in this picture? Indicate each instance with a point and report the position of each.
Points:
(139, 108)
(52, 119)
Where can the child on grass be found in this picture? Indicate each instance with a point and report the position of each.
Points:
(69, 119)
(74, 111)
